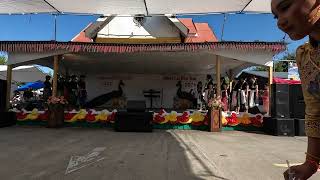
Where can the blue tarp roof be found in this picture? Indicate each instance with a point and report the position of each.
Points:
(33, 85)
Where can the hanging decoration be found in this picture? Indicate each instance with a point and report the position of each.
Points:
(195, 118)
(46, 46)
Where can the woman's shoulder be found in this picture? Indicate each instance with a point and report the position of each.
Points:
(302, 52)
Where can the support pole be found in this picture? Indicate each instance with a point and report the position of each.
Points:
(270, 86)
(9, 80)
(215, 115)
(55, 75)
(270, 76)
(218, 75)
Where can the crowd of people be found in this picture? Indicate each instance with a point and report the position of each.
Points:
(237, 95)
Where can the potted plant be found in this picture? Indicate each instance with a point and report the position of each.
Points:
(56, 111)
(215, 107)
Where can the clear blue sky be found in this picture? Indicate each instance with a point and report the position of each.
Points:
(239, 27)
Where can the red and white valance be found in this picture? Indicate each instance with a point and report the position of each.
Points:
(39, 47)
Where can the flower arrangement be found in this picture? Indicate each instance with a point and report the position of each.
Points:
(57, 100)
(56, 111)
(215, 103)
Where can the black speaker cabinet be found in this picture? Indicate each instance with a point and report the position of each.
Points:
(136, 106)
(280, 101)
(299, 127)
(3, 93)
(7, 119)
(279, 126)
(134, 121)
(297, 105)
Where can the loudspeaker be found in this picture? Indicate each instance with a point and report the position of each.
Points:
(3, 93)
(8, 119)
(280, 101)
(279, 126)
(297, 105)
(134, 121)
(299, 127)
(136, 106)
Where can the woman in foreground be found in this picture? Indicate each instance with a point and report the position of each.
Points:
(300, 18)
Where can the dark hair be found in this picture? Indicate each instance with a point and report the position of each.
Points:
(209, 76)
(313, 42)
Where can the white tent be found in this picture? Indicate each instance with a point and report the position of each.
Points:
(134, 7)
(23, 74)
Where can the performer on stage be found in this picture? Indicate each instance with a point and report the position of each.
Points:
(82, 91)
(239, 96)
(199, 95)
(73, 91)
(209, 81)
(253, 93)
(244, 96)
(225, 96)
(209, 93)
(47, 91)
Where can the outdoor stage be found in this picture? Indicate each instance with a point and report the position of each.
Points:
(142, 67)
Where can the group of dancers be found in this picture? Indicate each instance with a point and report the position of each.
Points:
(238, 95)
(73, 88)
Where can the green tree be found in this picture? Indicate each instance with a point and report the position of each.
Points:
(289, 56)
(279, 66)
(3, 60)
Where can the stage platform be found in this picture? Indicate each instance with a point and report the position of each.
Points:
(155, 126)
(163, 119)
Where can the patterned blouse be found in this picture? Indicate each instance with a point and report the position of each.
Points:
(308, 61)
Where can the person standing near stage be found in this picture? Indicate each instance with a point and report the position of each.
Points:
(82, 91)
(300, 18)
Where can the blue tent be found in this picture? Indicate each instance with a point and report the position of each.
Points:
(33, 85)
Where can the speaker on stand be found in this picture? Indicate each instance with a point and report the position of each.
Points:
(297, 104)
(280, 124)
(297, 108)
(280, 101)
(135, 119)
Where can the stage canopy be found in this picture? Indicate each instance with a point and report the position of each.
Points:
(187, 58)
(134, 7)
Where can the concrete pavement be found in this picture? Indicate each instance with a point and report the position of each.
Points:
(41, 153)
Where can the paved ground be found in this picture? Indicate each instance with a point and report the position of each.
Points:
(40, 153)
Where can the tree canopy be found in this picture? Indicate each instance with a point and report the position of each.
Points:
(280, 66)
